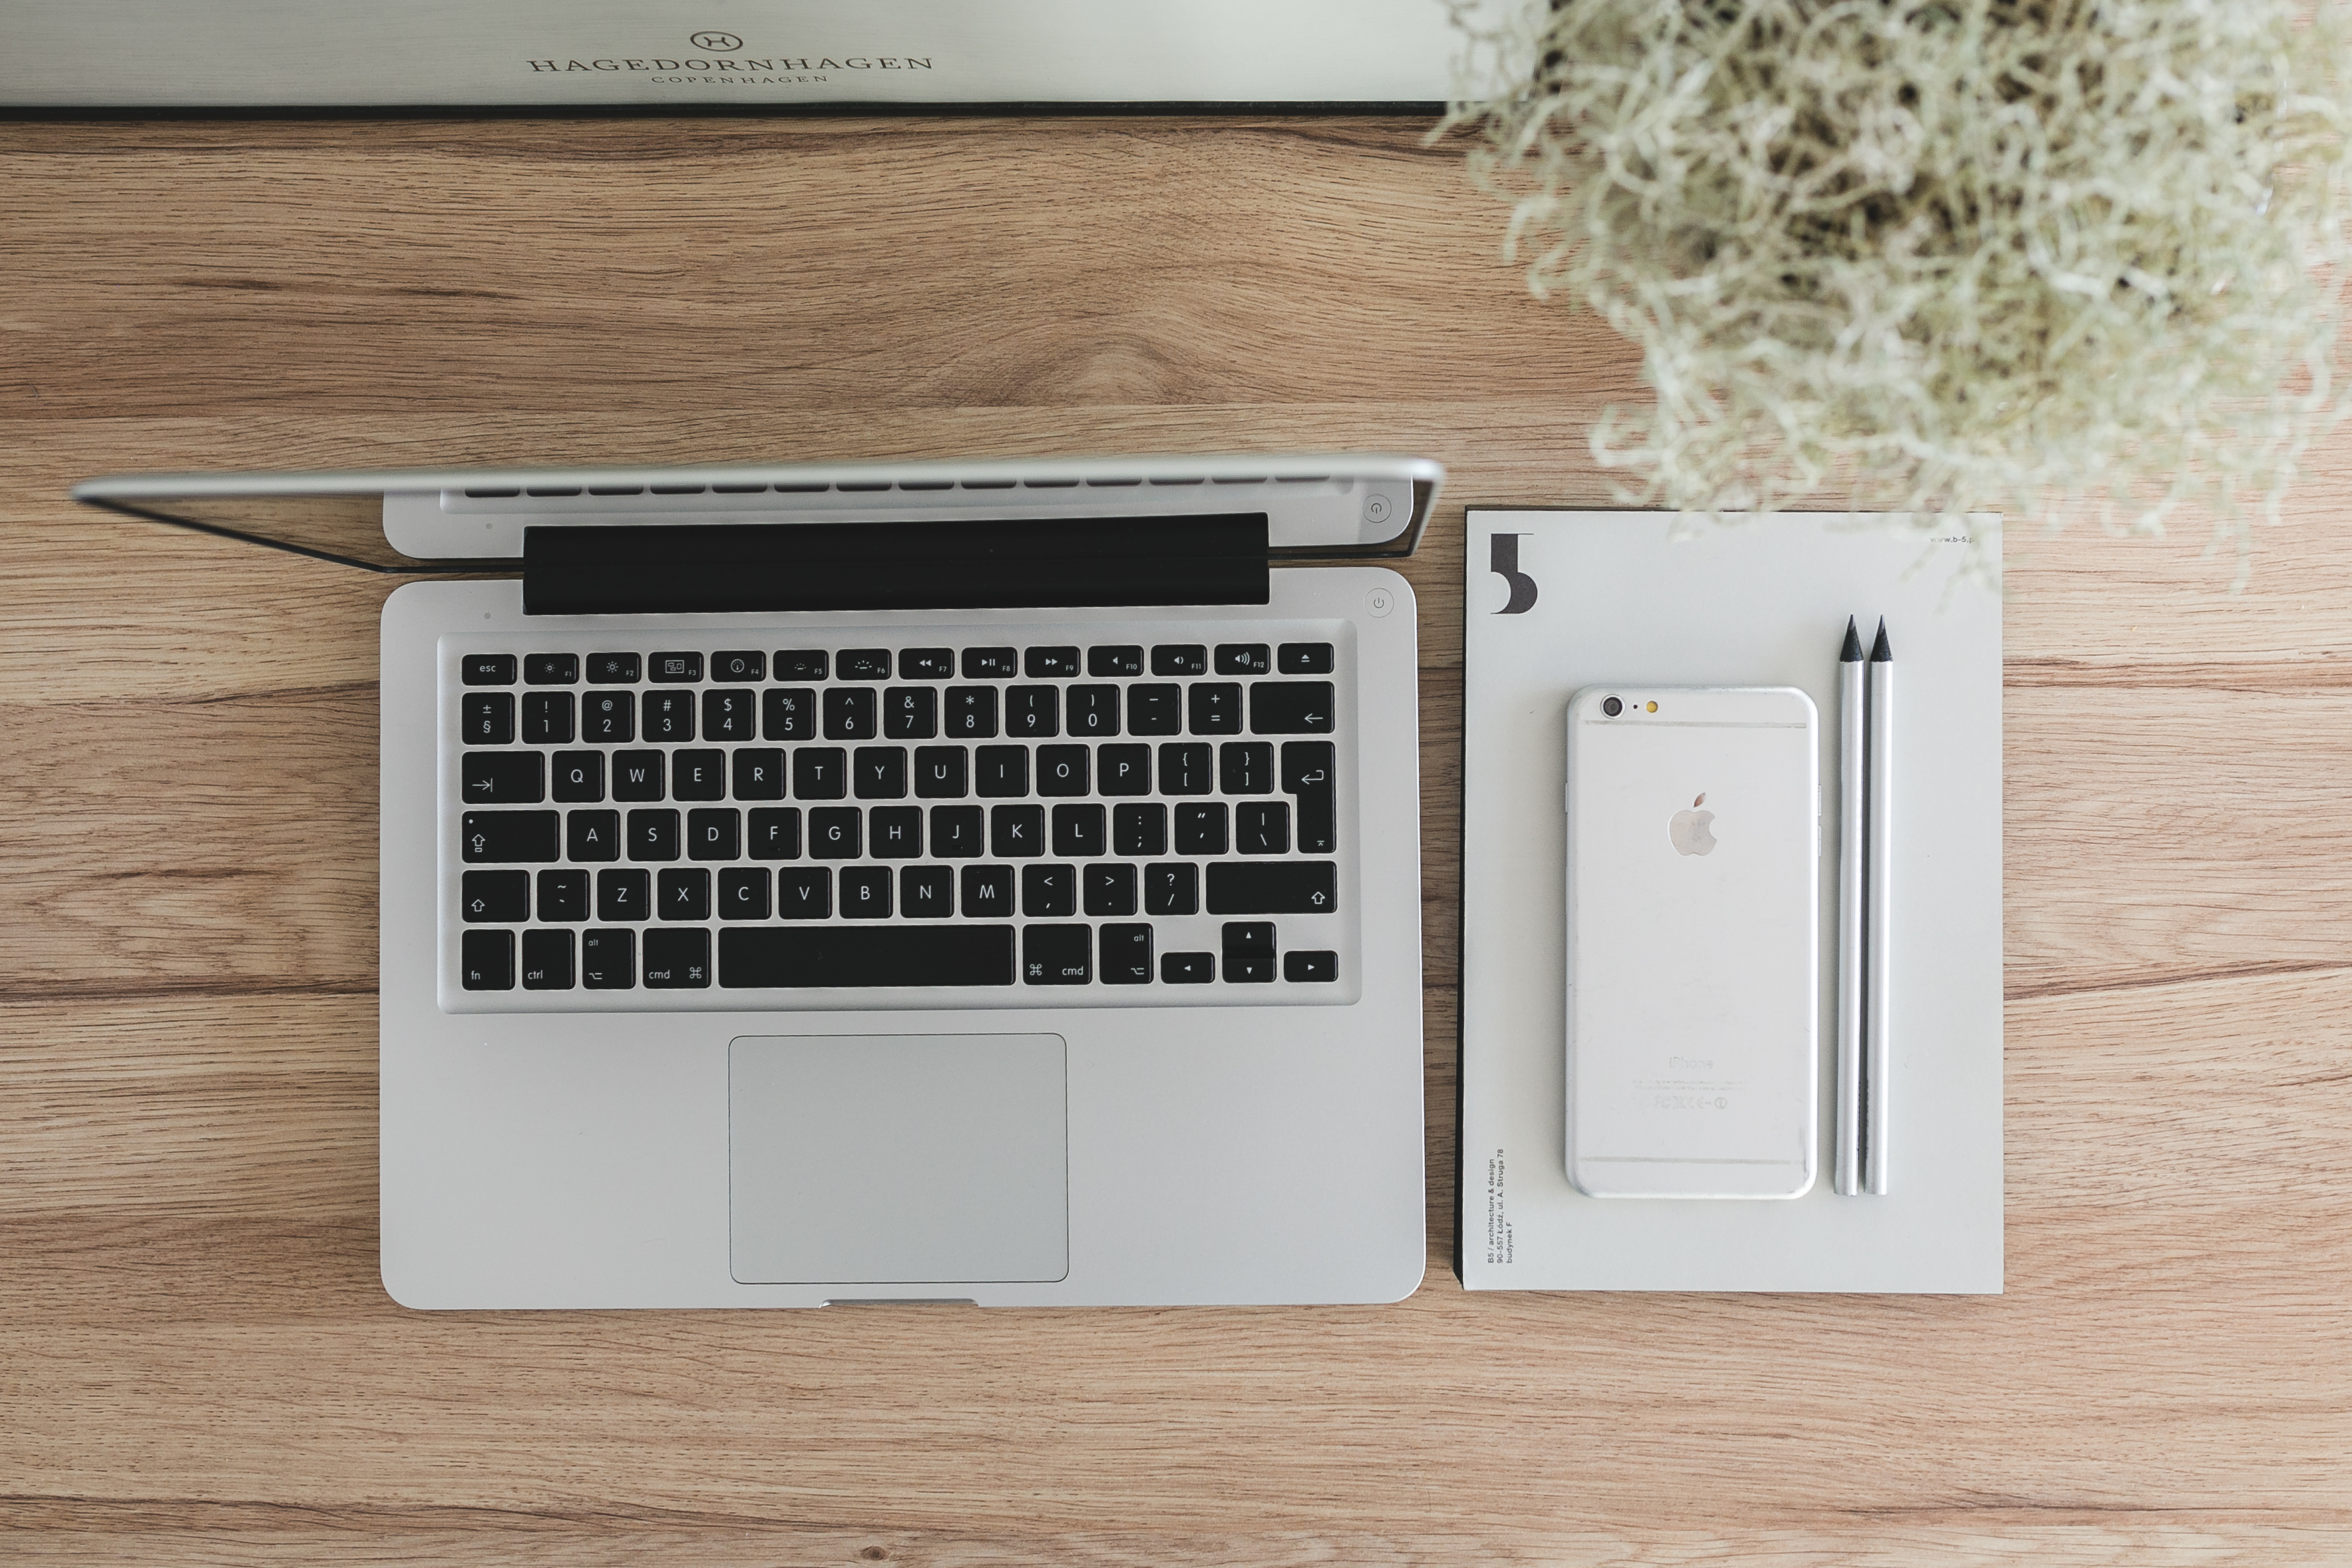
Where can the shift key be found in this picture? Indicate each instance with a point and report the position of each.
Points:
(507, 837)
(1272, 887)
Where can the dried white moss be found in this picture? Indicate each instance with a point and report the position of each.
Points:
(1938, 256)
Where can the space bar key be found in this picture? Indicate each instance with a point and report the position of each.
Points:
(841, 957)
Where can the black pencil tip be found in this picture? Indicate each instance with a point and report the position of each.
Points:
(1852, 652)
(1879, 652)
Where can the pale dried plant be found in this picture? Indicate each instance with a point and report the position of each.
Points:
(1937, 257)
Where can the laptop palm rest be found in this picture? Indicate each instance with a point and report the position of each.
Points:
(897, 1159)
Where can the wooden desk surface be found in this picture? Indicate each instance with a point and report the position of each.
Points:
(196, 1361)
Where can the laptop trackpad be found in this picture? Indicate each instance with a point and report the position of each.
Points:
(897, 1159)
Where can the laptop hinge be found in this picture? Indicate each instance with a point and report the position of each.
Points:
(1061, 562)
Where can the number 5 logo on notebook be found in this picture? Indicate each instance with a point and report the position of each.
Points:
(1503, 562)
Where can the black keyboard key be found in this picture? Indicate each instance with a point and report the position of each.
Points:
(608, 717)
(851, 713)
(608, 960)
(1062, 770)
(956, 832)
(1188, 968)
(1049, 891)
(927, 664)
(990, 664)
(1000, 773)
(865, 892)
(714, 834)
(784, 958)
(895, 832)
(1306, 773)
(487, 669)
(739, 664)
(1126, 954)
(1050, 663)
(1079, 831)
(1274, 888)
(1109, 887)
(673, 668)
(636, 776)
(1245, 767)
(820, 773)
(758, 772)
(879, 773)
(507, 837)
(502, 778)
(1057, 955)
(677, 960)
(788, 713)
(776, 833)
(1016, 832)
(927, 892)
(1262, 827)
(1290, 707)
(612, 670)
(579, 775)
(939, 773)
(911, 714)
(834, 832)
(804, 893)
(698, 775)
(590, 835)
(547, 960)
(666, 716)
(1243, 659)
(1303, 658)
(1155, 709)
(971, 713)
(1184, 768)
(547, 718)
(624, 894)
(683, 894)
(1249, 953)
(1201, 828)
(744, 893)
(1138, 830)
(1216, 707)
(486, 960)
(563, 897)
(550, 669)
(730, 713)
(987, 892)
(862, 664)
(653, 835)
(497, 897)
(486, 718)
(1093, 711)
(1180, 658)
(800, 664)
(1123, 770)
(1172, 888)
(1107, 663)
(1032, 712)
(1309, 968)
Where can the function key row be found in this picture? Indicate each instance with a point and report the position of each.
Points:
(1052, 663)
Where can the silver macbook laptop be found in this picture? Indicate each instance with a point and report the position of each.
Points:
(990, 882)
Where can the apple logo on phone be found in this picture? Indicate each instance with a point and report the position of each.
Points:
(1690, 830)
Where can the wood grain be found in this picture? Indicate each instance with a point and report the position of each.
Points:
(197, 1364)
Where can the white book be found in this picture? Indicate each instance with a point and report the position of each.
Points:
(1594, 597)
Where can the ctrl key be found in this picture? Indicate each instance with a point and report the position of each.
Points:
(486, 960)
(608, 960)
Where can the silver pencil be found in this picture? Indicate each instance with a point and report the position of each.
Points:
(1878, 912)
(1851, 812)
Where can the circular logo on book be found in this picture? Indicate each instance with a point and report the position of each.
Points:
(716, 41)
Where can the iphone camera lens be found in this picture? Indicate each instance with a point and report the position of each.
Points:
(1611, 706)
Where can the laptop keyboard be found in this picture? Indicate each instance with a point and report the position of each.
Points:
(1054, 821)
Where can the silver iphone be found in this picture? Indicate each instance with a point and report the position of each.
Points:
(1693, 850)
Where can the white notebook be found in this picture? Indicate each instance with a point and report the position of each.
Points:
(1643, 599)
